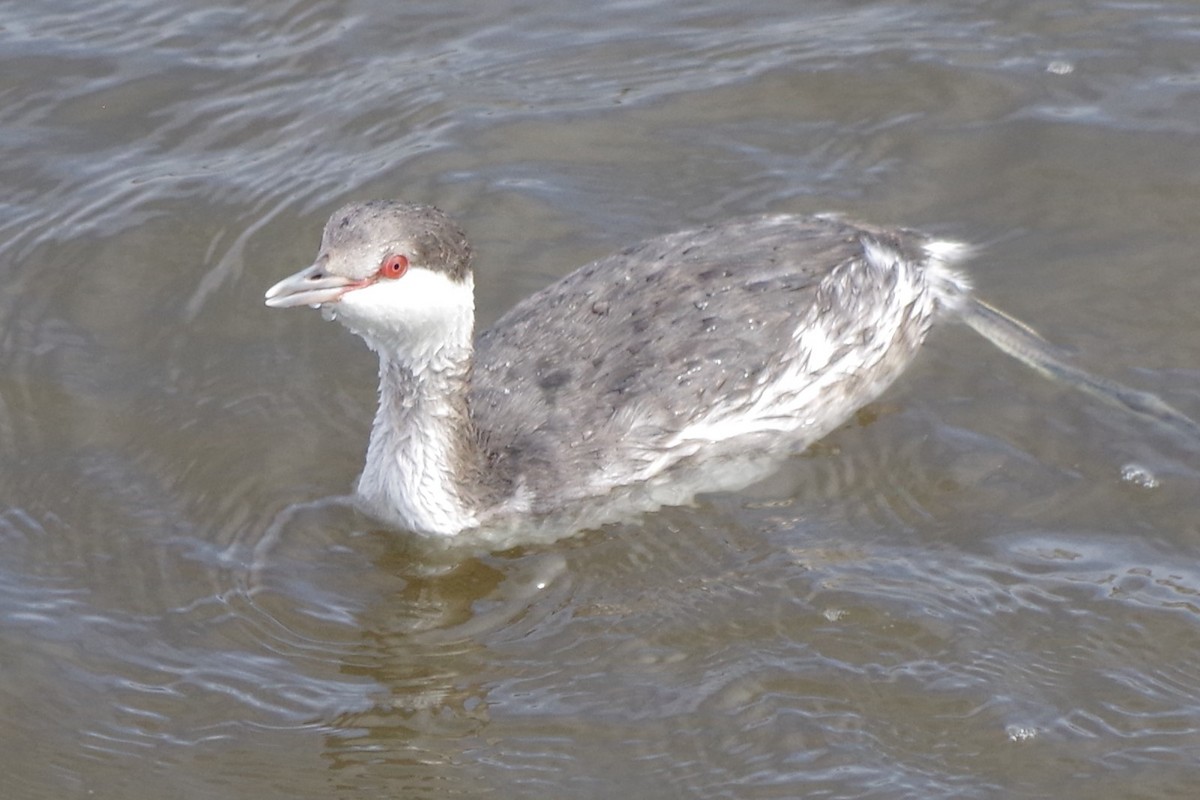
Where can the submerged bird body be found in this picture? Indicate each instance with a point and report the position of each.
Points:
(755, 336)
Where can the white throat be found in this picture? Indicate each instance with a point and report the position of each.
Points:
(422, 447)
(414, 320)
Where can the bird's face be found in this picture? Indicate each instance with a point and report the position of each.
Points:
(395, 274)
(331, 278)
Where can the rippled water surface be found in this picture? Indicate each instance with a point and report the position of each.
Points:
(984, 586)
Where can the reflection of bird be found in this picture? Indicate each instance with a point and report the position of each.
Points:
(753, 336)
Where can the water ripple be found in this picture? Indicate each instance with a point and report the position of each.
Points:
(959, 594)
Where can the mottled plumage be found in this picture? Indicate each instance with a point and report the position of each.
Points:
(758, 334)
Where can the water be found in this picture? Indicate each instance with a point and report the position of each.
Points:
(985, 586)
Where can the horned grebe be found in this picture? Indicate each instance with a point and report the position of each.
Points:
(758, 335)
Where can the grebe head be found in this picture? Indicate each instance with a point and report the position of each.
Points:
(396, 274)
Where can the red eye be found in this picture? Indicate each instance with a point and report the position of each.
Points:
(394, 266)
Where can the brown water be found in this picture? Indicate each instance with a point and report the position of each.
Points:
(987, 586)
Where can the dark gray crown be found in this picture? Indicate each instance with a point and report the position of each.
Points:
(366, 232)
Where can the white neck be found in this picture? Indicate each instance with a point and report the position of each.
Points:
(419, 451)
(423, 451)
